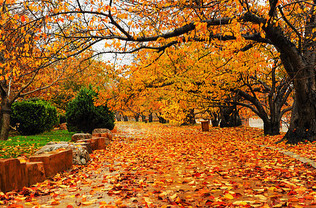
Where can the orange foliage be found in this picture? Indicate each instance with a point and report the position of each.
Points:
(197, 76)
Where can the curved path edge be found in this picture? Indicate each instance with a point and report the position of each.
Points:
(293, 155)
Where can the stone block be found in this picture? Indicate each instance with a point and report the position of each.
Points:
(55, 161)
(36, 172)
(13, 175)
(102, 133)
(107, 141)
(85, 144)
(101, 142)
(92, 143)
(80, 136)
(80, 154)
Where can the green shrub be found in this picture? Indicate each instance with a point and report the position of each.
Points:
(33, 117)
(83, 116)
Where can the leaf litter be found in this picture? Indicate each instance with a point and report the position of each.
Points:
(154, 165)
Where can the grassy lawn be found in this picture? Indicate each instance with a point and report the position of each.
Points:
(27, 145)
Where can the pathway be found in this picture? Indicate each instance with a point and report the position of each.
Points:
(165, 166)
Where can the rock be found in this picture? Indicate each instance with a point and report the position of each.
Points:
(85, 143)
(83, 161)
(36, 172)
(100, 142)
(13, 175)
(79, 151)
(80, 136)
(102, 133)
(55, 162)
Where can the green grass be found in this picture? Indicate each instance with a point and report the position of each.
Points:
(17, 146)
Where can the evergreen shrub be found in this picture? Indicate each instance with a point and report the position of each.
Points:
(83, 116)
(33, 117)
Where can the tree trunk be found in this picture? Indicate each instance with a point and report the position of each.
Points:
(5, 122)
(230, 117)
(271, 128)
(125, 118)
(215, 122)
(215, 118)
(191, 116)
(150, 117)
(299, 63)
(303, 120)
(136, 116)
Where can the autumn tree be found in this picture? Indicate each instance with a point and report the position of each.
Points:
(268, 97)
(30, 56)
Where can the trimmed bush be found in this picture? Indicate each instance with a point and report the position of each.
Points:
(33, 117)
(83, 116)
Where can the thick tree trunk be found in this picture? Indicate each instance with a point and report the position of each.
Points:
(303, 120)
(5, 122)
(215, 122)
(299, 63)
(271, 128)
(230, 117)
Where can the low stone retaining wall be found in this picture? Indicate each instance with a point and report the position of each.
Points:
(14, 174)
(55, 161)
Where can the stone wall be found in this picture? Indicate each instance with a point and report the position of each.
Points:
(15, 174)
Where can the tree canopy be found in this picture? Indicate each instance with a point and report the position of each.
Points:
(129, 26)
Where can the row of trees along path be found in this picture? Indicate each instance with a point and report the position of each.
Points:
(155, 165)
(38, 34)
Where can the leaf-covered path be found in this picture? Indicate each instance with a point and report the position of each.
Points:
(154, 165)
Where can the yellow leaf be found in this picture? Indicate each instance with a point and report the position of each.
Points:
(228, 196)
(88, 202)
(238, 203)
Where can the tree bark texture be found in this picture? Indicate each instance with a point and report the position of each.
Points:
(230, 117)
(6, 115)
(150, 117)
(300, 66)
